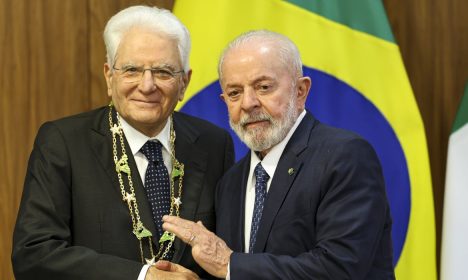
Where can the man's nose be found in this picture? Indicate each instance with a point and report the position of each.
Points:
(147, 83)
(249, 100)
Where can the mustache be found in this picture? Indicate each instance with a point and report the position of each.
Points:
(255, 117)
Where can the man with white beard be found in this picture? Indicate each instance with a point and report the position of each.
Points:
(308, 201)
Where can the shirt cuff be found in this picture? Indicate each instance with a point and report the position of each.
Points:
(228, 275)
(143, 271)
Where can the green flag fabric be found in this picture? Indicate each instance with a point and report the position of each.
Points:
(455, 223)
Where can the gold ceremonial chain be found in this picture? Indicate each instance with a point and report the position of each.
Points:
(121, 166)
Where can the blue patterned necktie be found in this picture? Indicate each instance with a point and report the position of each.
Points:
(261, 177)
(157, 184)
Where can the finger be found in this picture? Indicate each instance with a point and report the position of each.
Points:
(188, 231)
(184, 224)
(177, 220)
(178, 224)
(181, 232)
(173, 267)
(164, 265)
(179, 268)
(157, 274)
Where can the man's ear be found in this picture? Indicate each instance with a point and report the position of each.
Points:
(302, 89)
(108, 75)
(222, 97)
(186, 80)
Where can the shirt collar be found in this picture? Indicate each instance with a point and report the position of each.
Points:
(136, 139)
(271, 159)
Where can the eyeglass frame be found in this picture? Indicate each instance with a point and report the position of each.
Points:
(140, 70)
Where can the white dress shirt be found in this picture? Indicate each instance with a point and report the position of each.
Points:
(136, 140)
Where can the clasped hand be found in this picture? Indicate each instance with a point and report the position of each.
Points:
(165, 270)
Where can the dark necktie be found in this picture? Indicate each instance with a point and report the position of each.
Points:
(261, 177)
(157, 184)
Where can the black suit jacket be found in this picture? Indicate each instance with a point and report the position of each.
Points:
(328, 219)
(73, 223)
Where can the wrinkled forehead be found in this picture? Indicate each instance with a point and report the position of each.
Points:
(259, 58)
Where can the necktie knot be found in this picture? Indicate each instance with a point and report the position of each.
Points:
(261, 176)
(153, 151)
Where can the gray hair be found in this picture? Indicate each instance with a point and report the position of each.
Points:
(287, 50)
(153, 18)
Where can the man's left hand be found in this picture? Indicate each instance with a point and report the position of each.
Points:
(208, 250)
(165, 270)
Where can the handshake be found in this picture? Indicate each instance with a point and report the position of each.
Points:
(208, 250)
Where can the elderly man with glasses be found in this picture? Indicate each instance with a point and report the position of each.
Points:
(98, 183)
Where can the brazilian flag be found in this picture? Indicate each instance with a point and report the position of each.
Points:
(358, 83)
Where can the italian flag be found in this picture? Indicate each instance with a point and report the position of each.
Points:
(455, 223)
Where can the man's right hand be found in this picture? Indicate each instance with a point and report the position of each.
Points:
(165, 270)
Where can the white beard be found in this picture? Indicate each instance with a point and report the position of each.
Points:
(261, 139)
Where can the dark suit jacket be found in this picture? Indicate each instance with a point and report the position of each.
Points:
(72, 222)
(329, 219)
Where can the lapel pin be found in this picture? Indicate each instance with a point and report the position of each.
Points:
(291, 171)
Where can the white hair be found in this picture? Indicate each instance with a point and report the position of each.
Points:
(287, 51)
(158, 20)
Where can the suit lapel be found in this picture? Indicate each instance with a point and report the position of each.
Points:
(279, 189)
(101, 142)
(237, 202)
(289, 166)
(195, 164)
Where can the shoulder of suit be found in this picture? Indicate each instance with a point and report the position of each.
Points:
(196, 124)
(333, 134)
(76, 123)
(328, 140)
(99, 112)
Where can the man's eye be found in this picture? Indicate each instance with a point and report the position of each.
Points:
(264, 87)
(233, 94)
(130, 70)
(162, 73)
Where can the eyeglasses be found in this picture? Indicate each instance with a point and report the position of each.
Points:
(134, 74)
